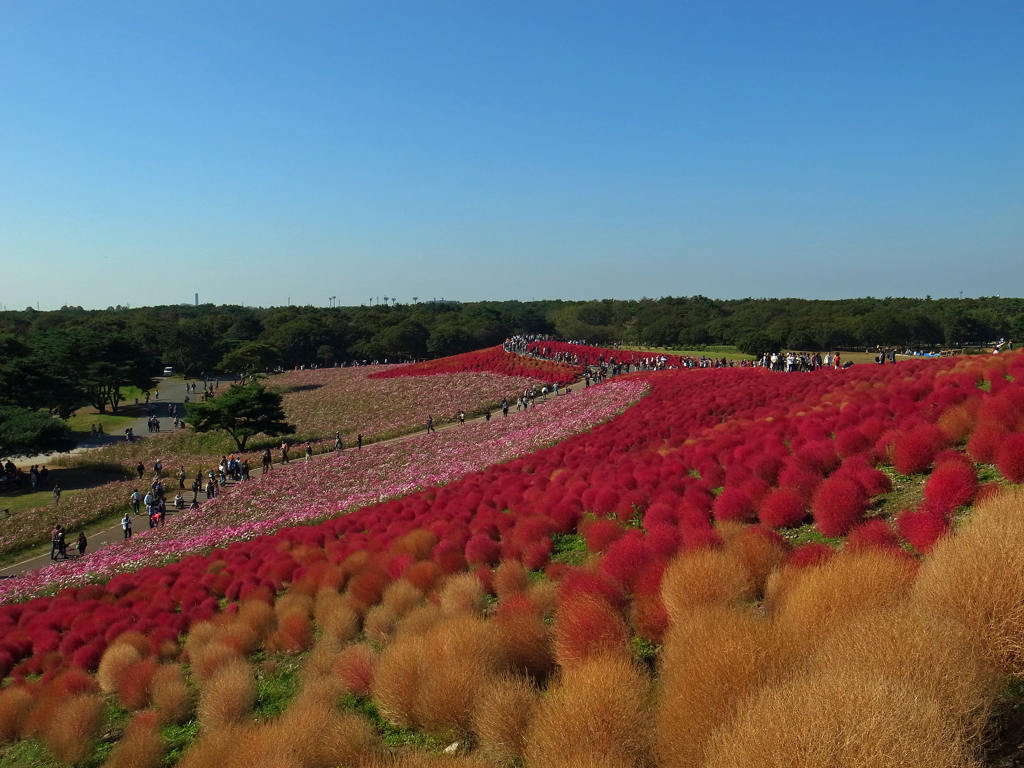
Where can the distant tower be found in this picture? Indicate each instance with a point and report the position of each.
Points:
(197, 299)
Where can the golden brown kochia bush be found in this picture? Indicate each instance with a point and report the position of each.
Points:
(708, 665)
(510, 579)
(141, 745)
(171, 697)
(115, 662)
(460, 656)
(526, 642)
(396, 681)
(502, 716)
(15, 703)
(133, 689)
(701, 578)
(292, 602)
(207, 659)
(320, 661)
(841, 721)
(335, 616)
(230, 746)
(419, 621)
(759, 552)
(258, 616)
(808, 603)
(312, 733)
(228, 696)
(401, 597)
(354, 668)
(462, 593)
(380, 624)
(597, 713)
(929, 653)
(976, 578)
(72, 733)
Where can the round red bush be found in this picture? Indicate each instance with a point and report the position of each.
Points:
(952, 484)
(782, 508)
(1010, 457)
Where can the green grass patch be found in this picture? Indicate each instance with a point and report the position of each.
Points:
(275, 691)
(393, 736)
(81, 423)
(808, 534)
(569, 548)
(178, 738)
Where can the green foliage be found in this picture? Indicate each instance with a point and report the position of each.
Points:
(275, 692)
(242, 411)
(394, 736)
(251, 359)
(569, 548)
(32, 432)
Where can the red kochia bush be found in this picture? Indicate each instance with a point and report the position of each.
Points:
(985, 442)
(733, 504)
(601, 534)
(922, 528)
(952, 484)
(482, 550)
(782, 508)
(874, 534)
(837, 506)
(915, 449)
(1010, 457)
(625, 559)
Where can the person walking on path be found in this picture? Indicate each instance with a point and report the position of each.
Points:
(359, 441)
(126, 525)
(284, 452)
(338, 445)
(56, 494)
(268, 461)
(82, 543)
(136, 499)
(141, 469)
(309, 451)
(181, 478)
(430, 424)
(56, 536)
(504, 407)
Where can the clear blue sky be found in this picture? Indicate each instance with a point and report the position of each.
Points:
(261, 151)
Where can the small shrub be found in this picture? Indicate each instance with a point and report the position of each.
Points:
(171, 697)
(72, 733)
(141, 745)
(401, 596)
(133, 690)
(115, 662)
(1010, 457)
(396, 681)
(782, 508)
(585, 626)
(228, 696)
(915, 449)
(510, 578)
(354, 667)
(462, 594)
(703, 578)
(502, 717)
(923, 527)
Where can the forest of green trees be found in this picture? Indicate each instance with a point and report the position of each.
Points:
(57, 361)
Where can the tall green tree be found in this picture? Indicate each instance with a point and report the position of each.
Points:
(250, 360)
(243, 411)
(28, 432)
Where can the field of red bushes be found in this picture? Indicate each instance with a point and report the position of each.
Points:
(493, 360)
(718, 576)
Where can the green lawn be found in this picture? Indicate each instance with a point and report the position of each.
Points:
(714, 351)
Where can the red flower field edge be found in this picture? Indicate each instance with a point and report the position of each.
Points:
(638, 489)
(494, 360)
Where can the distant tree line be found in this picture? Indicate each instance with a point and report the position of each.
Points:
(57, 361)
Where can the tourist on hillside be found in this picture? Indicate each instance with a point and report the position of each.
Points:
(284, 452)
(136, 499)
(338, 445)
(309, 451)
(430, 424)
(504, 407)
(82, 543)
(179, 501)
(245, 470)
(56, 494)
(126, 525)
(359, 441)
(181, 478)
(268, 461)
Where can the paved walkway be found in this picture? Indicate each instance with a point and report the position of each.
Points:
(174, 391)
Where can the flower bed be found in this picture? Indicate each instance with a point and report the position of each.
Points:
(495, 360)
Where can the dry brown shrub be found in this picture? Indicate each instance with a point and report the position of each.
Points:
(419, 621)
(15, 703)
(930, 653)
(320, 661)
(708, 664)
(462, 593)
(758, 554)
(228, 696)
(71, 735)
(419, 543)
(240, 636)
(258, 616)
(527, 643)
(380, 624)
(502, 716)
(976, 578)
(226, 747)
(141, 745)
(396, 681)
(136, 640)
(207, 659)
(115, 662)
(199, 634)
(510, 578)
(958, 422)
(598, 712)
(820, 598)
(838, 720)
(335, 616)
(544, 594)
(293, 603)
(169, 650)
(171, 697)
(703, 578)
(133, 689)
(312, 733)
(460, 657)
(401, 597)
(354, 667)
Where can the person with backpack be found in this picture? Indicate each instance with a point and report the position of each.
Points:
(82, 543)
(126, 525)
(136, 499)
(62, 545)
(56, 536)
(141, 469)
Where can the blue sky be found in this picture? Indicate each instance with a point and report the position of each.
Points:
(261, 152)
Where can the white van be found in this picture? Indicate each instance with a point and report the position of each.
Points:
(168, 371)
